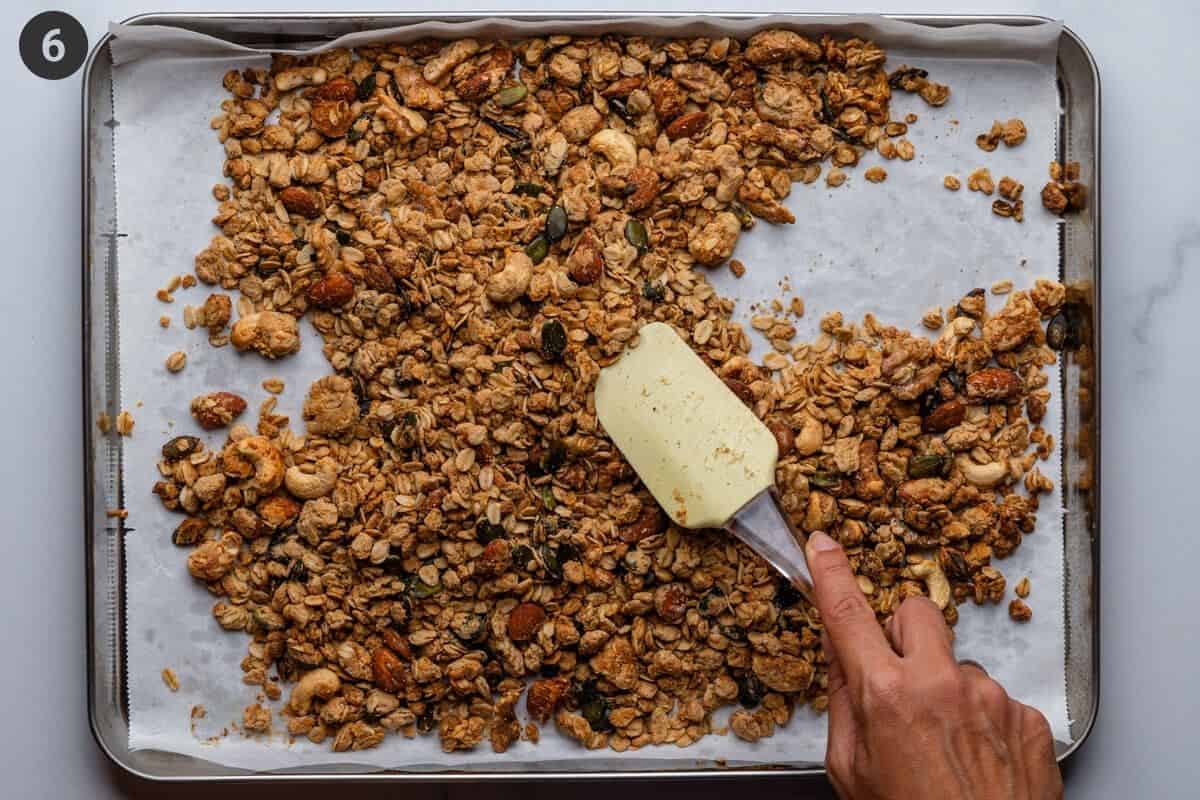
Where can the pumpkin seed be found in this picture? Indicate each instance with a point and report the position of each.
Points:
(1056, 332)
(1065, 331)
(556, 454)
(926, 466)
(554, 340)
(548, 498)
(180, 447)
(824, 480)
(529, 189)
(521, 556)
(593, 706)
(743, 214)
(366, 87)
(537, 250)
(486, 532)
(343, 237)
(511, 95)
(550, 561)
(654, 292)
(750, 691)
(568, 552)
(556, 224)
(421, 590)
(635, 234)
(928, 401)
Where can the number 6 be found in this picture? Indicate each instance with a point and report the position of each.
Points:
(53, 49)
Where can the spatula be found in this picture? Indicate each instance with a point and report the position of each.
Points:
(708, 461)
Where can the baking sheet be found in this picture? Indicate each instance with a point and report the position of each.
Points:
(892, 249)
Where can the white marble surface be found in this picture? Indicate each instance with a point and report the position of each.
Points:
(1144, 741)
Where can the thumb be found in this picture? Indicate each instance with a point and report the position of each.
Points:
(843, 727)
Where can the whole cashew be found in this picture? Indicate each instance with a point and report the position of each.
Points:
(982, 475)
(309, 485)
(618, 147)
(321, 682)
(267, 461)
(935, 581)
(300, 76)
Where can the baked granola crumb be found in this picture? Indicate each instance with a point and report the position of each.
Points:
(737, 267)
(164, 321)
(981, 181)
(169, 678)
(103, 422)
(1012, 133)
(1002, 287)
(273, 385)
(952, 183)
(256, 719)
(176, 361)
(1064, 193)
(125, 423)
(1020, 611)
(1009, 188)
(1022, 588)
(876, 174)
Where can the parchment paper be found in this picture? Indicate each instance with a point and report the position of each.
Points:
(892, 249)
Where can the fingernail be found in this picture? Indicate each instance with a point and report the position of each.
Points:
(820, 541)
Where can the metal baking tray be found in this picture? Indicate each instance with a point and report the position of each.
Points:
(1078, 140)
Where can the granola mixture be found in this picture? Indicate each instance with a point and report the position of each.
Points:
(473, 245)
(1064, 193)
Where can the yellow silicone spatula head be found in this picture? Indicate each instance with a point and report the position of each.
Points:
(708, 461)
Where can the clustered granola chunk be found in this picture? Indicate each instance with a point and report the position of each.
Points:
(473, 246)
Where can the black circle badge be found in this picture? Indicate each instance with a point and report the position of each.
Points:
(53, 45)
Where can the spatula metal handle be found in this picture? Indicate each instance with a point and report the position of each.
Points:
(763, 525)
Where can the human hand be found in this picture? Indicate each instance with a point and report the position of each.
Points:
(908, 721)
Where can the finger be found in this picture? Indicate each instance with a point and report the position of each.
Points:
(1038, 740)
(1029, 737)
(856, 636)
(1040, 760)
(919, 631)
(839, 748)
(966, 663)
(989, 695)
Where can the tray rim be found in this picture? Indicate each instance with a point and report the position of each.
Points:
(408, 17)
